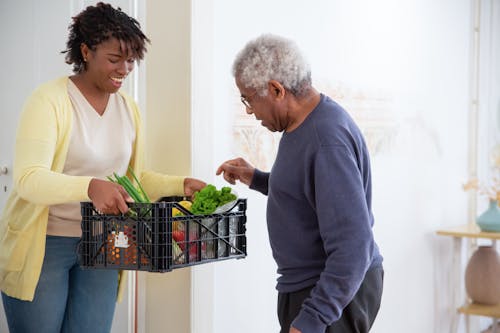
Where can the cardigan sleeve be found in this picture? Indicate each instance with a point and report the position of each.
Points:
(42, 139)
(159, 185)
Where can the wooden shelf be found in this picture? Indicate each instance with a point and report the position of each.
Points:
(470, 231)
(481, 310)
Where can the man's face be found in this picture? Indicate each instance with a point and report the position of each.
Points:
(264, 108)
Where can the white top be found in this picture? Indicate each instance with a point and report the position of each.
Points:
(99, 146)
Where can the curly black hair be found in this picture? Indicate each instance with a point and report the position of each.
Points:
(98, 23)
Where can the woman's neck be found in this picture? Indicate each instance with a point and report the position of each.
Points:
(95, 96)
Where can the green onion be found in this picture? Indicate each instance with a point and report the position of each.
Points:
(139, 195)
(127, 185)
(144, 195)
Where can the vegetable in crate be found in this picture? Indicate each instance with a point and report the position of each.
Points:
(137, 193)
(179, 225)
(179, 237)
(209, 198)
(140, 196)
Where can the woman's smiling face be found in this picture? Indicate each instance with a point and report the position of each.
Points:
(109, 64)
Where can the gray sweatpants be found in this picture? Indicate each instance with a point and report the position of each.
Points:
(357, 317)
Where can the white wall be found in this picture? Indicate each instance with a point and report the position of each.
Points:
(402, 70)
(166, 302)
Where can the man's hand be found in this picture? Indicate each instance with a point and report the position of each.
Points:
(108, 197)
(236, 169)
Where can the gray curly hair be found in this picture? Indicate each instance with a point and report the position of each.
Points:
(271, 57)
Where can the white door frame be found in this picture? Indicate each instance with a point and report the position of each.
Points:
(202, 154)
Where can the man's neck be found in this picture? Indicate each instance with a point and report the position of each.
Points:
(301, 107)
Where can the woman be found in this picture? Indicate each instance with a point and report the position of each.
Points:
(73, 132)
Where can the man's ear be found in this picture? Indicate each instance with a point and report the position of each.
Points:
(276, 89)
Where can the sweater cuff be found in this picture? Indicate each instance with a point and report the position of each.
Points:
(306, 323)
(159, 185)
(260, 181)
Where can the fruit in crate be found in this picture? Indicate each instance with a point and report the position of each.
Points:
(178, 225)
(184, 203)
(192, 242)
(180, 237)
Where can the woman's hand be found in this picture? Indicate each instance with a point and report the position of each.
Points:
(294, 330)
(192, 185)
(236, 169)
(108, 197)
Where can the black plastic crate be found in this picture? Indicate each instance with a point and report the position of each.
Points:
(149, 238)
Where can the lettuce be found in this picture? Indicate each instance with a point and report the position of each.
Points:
(209, 198)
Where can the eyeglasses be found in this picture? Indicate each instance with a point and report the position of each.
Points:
(246, 100)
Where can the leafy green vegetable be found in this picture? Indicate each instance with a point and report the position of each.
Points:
(209, 198)
(138, 194)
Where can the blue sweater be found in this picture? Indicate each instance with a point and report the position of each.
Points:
(319, 213)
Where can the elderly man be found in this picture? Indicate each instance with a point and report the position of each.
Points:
(319, 194)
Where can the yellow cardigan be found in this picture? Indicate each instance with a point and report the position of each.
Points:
(42, 141)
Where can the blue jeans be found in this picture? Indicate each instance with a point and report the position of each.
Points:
(67, 297)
